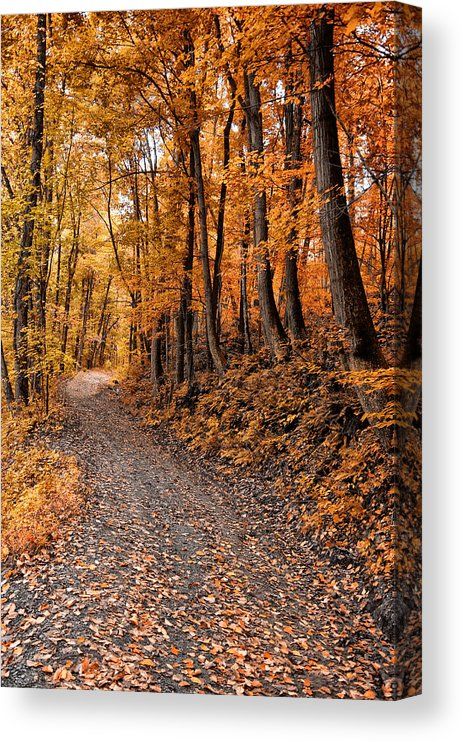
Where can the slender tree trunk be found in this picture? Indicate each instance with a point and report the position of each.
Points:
(351, 186)
(274, 334)
(215, 350)
(293, 311)
(87, 290)
(184, 321)
(104, 335)
(180, 347)
(7, 182)
(216, 282)
(293, 132)
(101, 324)
(243, 323)
(44, 267)
(72, 265)
(57, 286)
(7, 388)
(138, 296)
(157, 371)
(23, 280)
(350, 304)
(411, 357)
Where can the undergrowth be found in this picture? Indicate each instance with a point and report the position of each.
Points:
(41, 488)
(302, 429)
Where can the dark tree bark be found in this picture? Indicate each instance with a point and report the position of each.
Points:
(180, 347)
(40, 377)
(274, 333)
(23, 280)
(184, 355)
(411, 357)
(215, 350)
(293, 132)
(157, 371)
(132, 335)
(71, 269)
(244, 331)
(7, 388)
(101, 347)
(87, 291)
(140, 337)
(189, 352)
(134, 295)
(102, 324)
(216, 282)
(7, 182)
(43, 259)
(213, 343)
(350, 304)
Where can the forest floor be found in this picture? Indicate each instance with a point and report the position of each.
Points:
(177, 579)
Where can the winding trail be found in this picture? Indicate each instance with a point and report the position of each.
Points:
(175, 580)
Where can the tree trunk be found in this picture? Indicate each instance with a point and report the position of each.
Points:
(7, 388)
(350, 304)
(293, 311)
(43, 259)
(243, 323)
(184, 358)
(411, 357)
(100, 358)
(23, 280)
(217, 355)
(101, 323)
(216, 283)
(157, 372)
(180, 346)
(274, 333)
(213, 343)
(293, 132)
(87, 290)
(72, 264)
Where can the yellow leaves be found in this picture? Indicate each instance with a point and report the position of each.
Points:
(320, 84)
(40, 488)
(244, 421)
(148, 662)
(352, 25)
(196, 680)
(62, 673)
(357, 15)
(87, 668)
(237, 652)
(389, 380)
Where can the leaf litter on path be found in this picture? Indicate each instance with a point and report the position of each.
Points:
(175, 580)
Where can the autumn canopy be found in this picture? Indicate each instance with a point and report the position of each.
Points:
(224, 206)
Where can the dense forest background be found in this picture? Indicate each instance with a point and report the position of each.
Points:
(223, 206)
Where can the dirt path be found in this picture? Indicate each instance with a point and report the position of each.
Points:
(173, 580)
